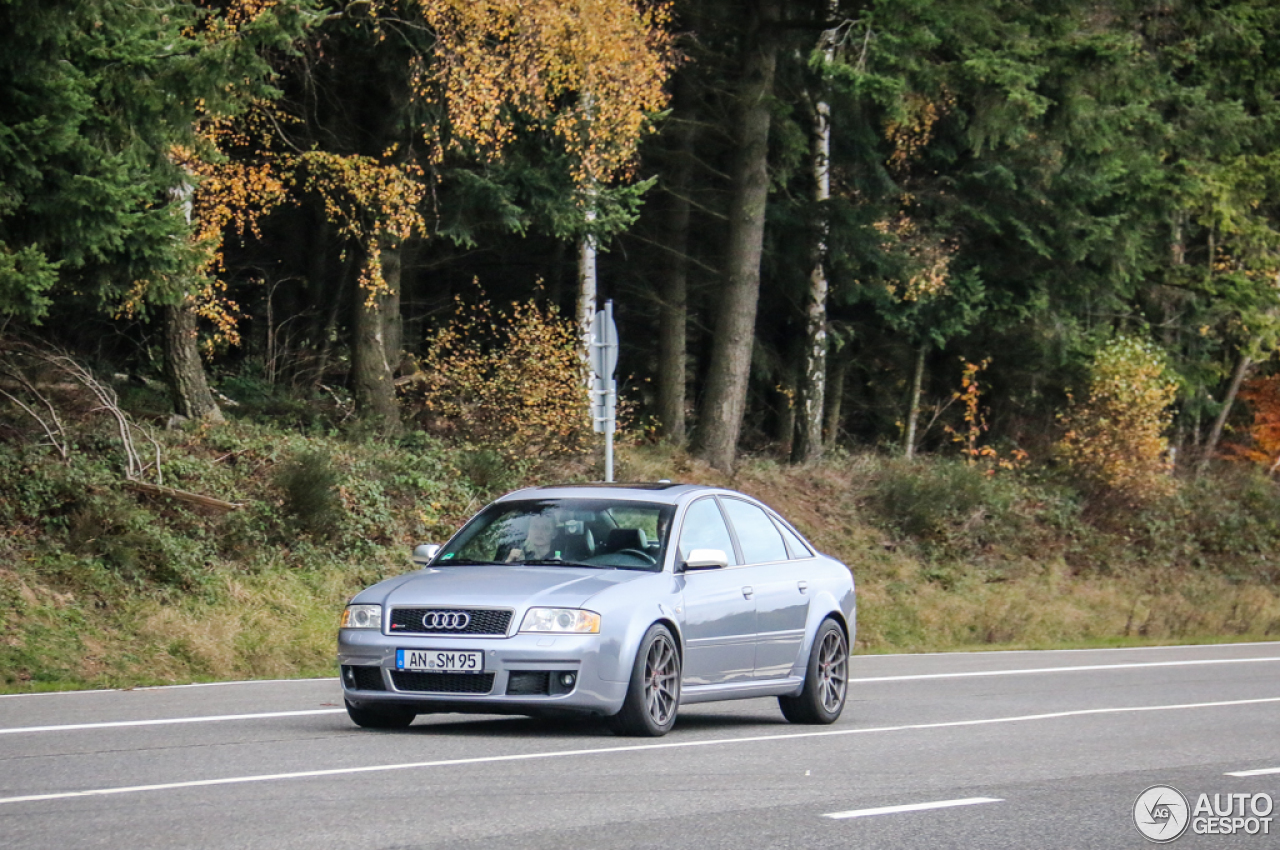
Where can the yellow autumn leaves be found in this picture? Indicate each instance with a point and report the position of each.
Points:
(590, 71)
(512, 381)
(1115, 434)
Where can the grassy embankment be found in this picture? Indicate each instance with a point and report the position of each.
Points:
(102, 586)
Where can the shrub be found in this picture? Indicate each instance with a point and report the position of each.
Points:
(515, 383)
(1114, 440)
(1229, 522)
(948, 505)
(486, 469)
(311, 499)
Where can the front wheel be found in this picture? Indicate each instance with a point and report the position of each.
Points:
(380, 718)
(653, 695)
(826, 680)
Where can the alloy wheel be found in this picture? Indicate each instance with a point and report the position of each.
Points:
(833, 670)
(661, 680)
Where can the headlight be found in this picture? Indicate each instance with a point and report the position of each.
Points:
(362, 617)
(565, 620)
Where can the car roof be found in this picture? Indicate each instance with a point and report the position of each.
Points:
(665, 492)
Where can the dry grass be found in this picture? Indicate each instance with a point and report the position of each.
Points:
(273, 613)
(911, 601)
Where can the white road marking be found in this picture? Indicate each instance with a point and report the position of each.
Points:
(169, 687)
(1265, 771)
(633, 748)
(868, 658)
(912, 807)
(862, 681)
(213, 718)
(1082, 668)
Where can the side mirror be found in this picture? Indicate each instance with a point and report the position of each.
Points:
(424, 552)
(706, 559)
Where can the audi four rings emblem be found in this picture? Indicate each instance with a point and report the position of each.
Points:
(437, 621)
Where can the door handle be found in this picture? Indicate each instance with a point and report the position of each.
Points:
(803, 585)
(748, 592)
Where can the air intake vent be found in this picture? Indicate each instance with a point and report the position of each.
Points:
(442, 683)
(522, 683)
(363, 678)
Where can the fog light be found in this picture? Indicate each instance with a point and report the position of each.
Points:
(567, 679)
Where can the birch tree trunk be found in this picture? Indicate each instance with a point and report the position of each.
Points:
(813, 379)
(1215, 433)
(913, 408)
(180, 342)
(723, 405)
(372, 369)
(586, 287)
(183, 368)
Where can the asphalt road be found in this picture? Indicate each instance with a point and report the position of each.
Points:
(976, 750)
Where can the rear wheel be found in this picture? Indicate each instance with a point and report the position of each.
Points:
(380, 718)
(653, 696)
(826, 680)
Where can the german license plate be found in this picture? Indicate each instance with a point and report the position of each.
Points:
(440, 660)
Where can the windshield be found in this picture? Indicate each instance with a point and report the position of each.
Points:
(604, 533)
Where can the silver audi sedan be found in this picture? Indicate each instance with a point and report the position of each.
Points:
(623, 601)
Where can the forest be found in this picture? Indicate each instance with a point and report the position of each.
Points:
(984, 296)
(821, 223)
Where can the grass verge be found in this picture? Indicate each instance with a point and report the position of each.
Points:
(104, 587)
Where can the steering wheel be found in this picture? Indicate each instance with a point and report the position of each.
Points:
(637, 553)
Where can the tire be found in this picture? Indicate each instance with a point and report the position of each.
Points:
(380, 718)
(826, 680)
(653, 696)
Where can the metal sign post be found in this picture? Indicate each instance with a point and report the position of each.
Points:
(604, 389)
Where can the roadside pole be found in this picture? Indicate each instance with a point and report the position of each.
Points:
(604, 389)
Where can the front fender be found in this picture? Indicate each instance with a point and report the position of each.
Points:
(624, 622)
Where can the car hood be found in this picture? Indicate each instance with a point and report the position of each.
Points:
(504, 586)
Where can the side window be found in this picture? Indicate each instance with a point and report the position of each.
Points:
(794, 543)
(704, 528)
(757, 534)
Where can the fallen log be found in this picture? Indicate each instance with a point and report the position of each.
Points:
(183, 496)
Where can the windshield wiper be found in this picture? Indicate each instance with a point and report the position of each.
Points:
(556, 562)
(464, 562)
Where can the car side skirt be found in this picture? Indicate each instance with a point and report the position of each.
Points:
(788, 687)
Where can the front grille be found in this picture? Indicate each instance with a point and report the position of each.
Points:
(528, 683)
(364, 678)
(484, 621)
(442, 683)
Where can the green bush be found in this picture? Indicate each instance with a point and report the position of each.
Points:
(947, 504)
(311, 500)
(1229, 522)
(487, 470)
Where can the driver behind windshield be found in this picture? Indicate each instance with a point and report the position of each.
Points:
(537, 541)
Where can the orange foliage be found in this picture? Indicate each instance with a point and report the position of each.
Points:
(911, 130)
(1115, 436)
(976, 423)
(1263, 445)
(588, 71)
(929, 259)
(512, 381)
(497, 60)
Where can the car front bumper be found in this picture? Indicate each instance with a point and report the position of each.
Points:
(523, 674)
